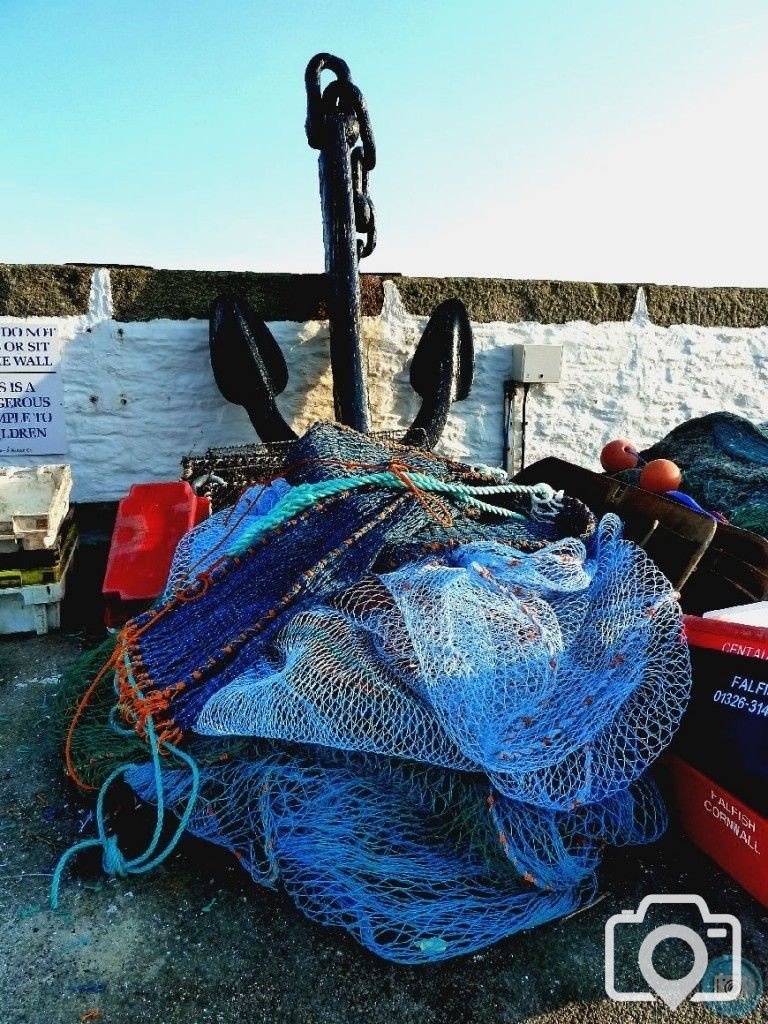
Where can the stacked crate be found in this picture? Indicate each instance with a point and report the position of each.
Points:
(38, 538)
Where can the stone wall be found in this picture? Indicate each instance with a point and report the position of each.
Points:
(139, 393)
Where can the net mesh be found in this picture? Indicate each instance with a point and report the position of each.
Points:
(199, 549)
(560, 675)
(418, 864)
(226, 620)
(421, 717)
(223, 473)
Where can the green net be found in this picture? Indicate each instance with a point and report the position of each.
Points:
(96, 747)
(724, 460)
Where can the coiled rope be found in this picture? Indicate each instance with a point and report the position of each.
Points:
(114, 861)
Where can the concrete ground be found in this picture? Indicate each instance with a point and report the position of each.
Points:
(195, 941)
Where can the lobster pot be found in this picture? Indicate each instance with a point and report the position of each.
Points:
(223, 474)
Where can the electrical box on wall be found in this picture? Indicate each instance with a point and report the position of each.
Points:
(537, 364)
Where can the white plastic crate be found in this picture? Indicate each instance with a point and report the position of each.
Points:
(33, 504)
(32, 609)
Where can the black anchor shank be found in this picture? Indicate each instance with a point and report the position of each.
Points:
(338, 125)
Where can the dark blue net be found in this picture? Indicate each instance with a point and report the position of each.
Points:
(225, 621)
(419, 864)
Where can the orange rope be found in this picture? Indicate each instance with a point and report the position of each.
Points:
(435, 507)
(84, 702)
(111, 664)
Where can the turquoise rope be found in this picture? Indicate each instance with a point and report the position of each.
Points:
(113, 860)
(304, 496)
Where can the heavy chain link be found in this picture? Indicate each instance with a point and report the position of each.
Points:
(342, 98)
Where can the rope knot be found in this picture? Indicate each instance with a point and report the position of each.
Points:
(435, 507)
(113, 861)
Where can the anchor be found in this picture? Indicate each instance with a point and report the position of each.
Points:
(248, 365)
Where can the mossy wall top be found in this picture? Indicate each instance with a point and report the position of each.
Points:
(142, 293)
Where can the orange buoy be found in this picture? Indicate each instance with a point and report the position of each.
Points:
(661, 475)
(618, 455)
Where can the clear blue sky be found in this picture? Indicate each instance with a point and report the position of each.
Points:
(613, 140)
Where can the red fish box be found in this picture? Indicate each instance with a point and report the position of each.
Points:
(732, 833)
(724, 732)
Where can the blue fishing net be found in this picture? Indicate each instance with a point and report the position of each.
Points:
(436, 694)
(226, 619)
(199, 549)
(419, 864)
(560, 674)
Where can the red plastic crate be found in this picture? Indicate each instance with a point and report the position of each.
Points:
(729, 637)
(150, 522)
(724, 827)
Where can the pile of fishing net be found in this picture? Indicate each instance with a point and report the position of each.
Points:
(724, 459)
(418, 698)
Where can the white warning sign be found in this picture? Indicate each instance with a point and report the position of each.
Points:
(31, 409)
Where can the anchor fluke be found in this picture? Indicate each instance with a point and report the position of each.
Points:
(442, 369)
(248, 365)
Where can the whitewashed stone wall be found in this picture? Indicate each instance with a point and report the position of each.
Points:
(139, 396)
